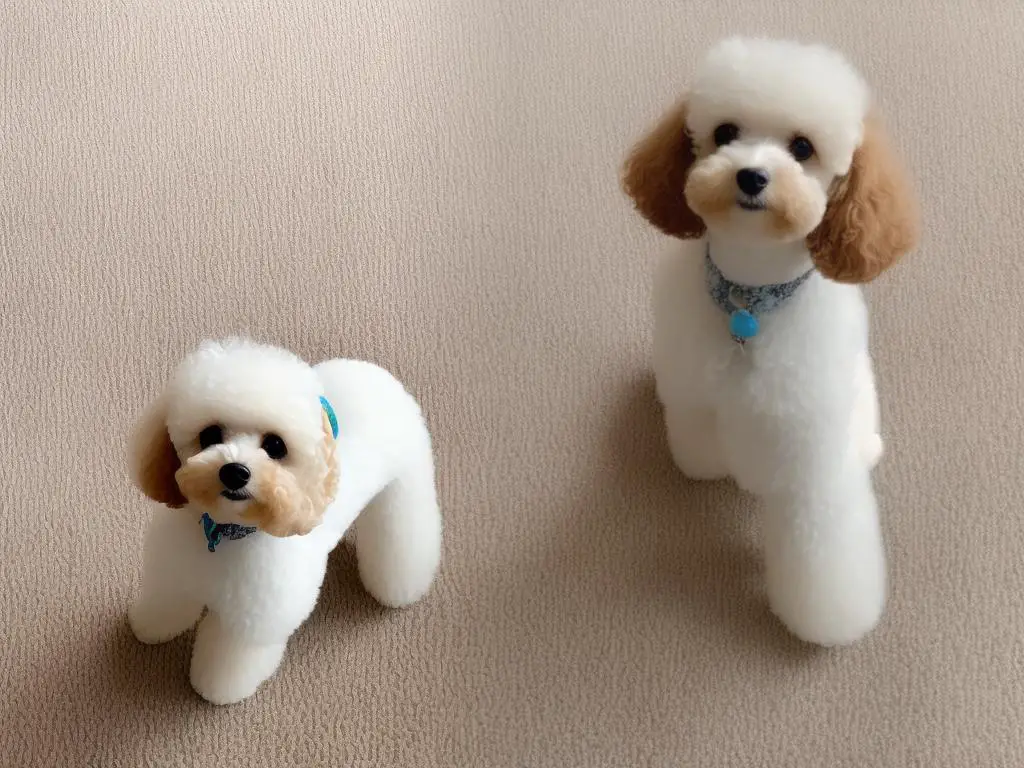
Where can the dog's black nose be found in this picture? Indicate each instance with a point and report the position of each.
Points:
(751, 181)
(234, 476)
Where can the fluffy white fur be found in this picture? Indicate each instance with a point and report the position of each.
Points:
(793, 415)
(260, 589)
(792, 418)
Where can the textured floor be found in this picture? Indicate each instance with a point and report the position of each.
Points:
(431, 184)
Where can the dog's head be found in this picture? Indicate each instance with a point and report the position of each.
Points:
(240, 432)
(777, 142)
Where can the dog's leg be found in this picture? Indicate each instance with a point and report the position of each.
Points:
(824, 556)
(866, 429)
(163, 609)
(242, 639)
(227, 665)
(694, 443)
(158, 617)
(398, 537)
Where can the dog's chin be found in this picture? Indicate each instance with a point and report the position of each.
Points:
(757, 221)
(225, 509)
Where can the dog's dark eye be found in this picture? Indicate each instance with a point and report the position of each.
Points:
(212, 435)
(726, 133)
(801, 148)
(274, 446)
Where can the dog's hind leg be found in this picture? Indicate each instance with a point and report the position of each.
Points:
(398, 536)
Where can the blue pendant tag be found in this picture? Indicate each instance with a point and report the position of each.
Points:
(743, 325)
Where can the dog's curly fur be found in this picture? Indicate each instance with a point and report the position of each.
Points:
(378, 474)
(792, 416)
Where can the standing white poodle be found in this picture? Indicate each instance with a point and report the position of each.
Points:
(264, 462)
(775, 164)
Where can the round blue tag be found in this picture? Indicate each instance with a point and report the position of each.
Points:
(743, 325)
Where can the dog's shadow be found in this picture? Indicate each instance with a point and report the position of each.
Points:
(90, 700)
(112, 673)
(691, 548)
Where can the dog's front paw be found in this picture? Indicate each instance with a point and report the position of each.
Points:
(226, 670)
(228, 680)
(154, 622)
(831, 597)
(842, 622)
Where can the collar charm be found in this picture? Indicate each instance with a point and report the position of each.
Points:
(743, 326)
(744, 304)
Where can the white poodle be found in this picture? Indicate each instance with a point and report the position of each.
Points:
(774, 162)
(265, 462)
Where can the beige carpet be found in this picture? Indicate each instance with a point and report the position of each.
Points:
(432, 184)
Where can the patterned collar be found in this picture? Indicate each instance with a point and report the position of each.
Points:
(217, 531)
(744, 304)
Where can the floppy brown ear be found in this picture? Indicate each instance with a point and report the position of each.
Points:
(655, 176)
(152, 458)
(872, 216)
(329, 483)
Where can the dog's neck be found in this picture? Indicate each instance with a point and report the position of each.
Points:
(757, 264)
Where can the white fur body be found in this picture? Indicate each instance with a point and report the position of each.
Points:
(258, 590)
(792, 416)
(774, 162)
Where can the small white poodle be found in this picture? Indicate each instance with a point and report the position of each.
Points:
(264, 463)
(775, 165)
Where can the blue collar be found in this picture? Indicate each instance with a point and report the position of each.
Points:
(745, 303)
(217, 531)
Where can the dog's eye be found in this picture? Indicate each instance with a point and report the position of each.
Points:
(212, 435)
(274, 446)
(726, 133)
(801, 148)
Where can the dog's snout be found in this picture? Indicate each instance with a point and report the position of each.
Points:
(752, 181)
(234, 476)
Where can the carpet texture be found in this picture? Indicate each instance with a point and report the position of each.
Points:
(432, 185)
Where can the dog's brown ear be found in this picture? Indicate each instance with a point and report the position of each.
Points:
(329, 483)
(872, 216)
(655, 176)
(152, 458)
